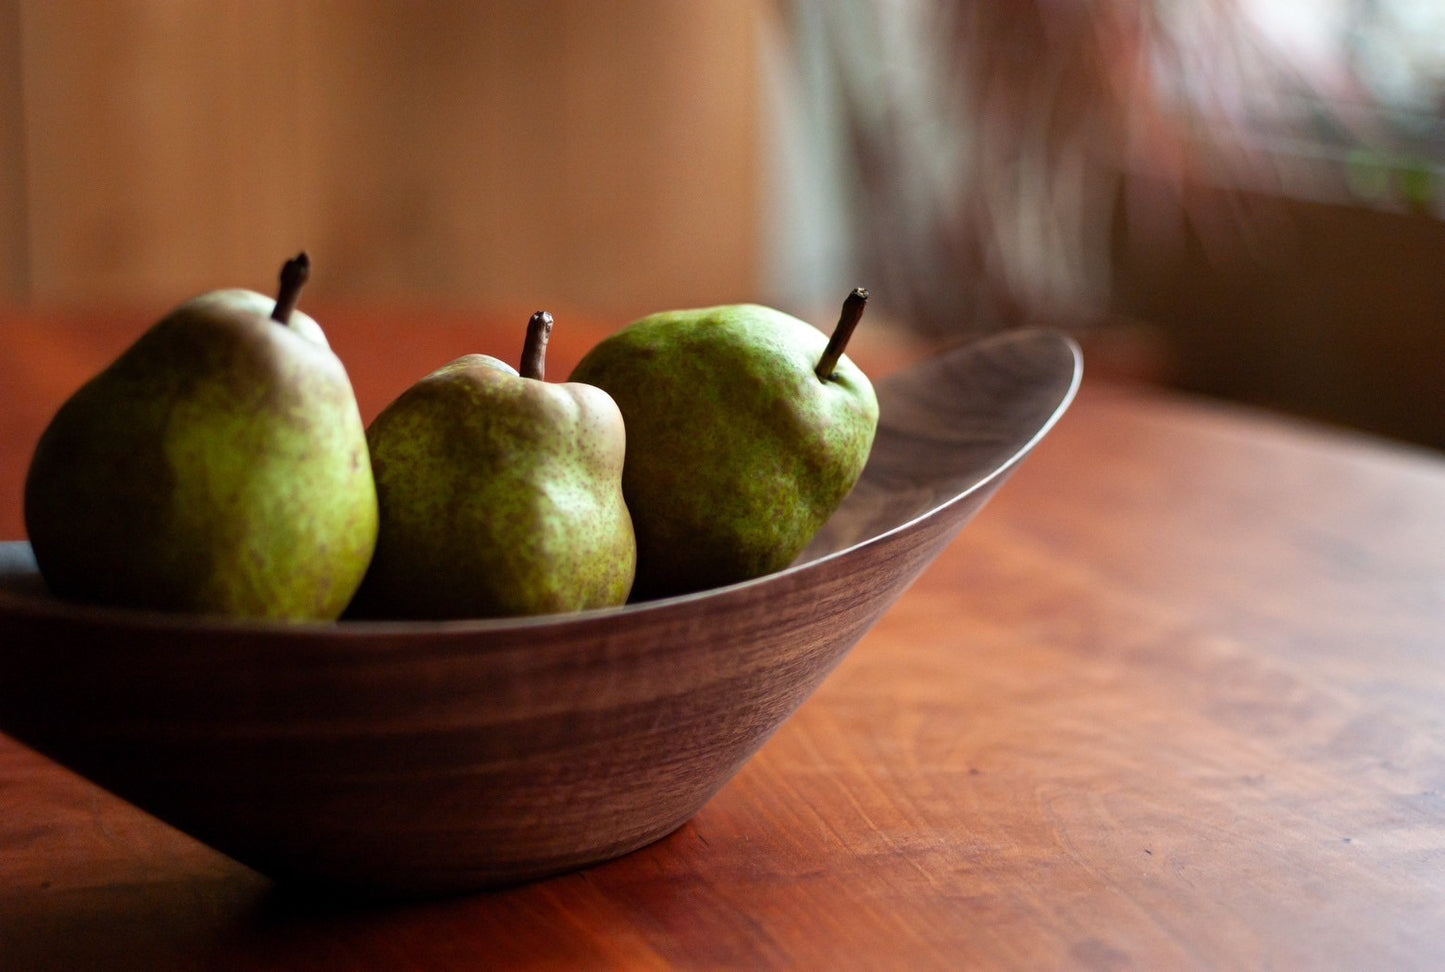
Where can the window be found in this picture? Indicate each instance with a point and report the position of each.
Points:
(1347, 95)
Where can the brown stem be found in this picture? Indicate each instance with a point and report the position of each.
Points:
(534, 350)
(847, 321)
(294, 274)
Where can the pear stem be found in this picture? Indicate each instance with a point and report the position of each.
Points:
(294, 274)
(534, 350)
(847, 321)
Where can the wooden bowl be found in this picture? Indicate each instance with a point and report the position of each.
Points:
(413, 759)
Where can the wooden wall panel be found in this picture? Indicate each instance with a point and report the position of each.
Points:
(558, 152)
(14, 275)
(155, 149)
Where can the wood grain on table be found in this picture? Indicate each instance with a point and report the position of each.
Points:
(1176, 698)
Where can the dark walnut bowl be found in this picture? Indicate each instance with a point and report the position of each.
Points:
(410, 759)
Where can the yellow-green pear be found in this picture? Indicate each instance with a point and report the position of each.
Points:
(218, 466)
(500, 494)
(746, 428)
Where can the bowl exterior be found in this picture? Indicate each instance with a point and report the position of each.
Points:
(392, 763)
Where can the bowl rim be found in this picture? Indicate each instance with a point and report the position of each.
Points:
(19, 603)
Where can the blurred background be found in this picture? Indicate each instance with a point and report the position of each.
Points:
(1235, 197)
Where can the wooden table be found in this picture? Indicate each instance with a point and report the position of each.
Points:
(1175, 699)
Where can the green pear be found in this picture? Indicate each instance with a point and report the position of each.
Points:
(218, 466)
(500, 493)
(746, 428)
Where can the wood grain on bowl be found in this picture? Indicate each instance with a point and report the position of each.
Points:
(411, 759)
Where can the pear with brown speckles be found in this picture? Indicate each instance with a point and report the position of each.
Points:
(746, 429)
(500, 494)
(217, 467)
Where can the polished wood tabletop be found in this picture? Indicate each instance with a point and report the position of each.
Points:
(1175, 699)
